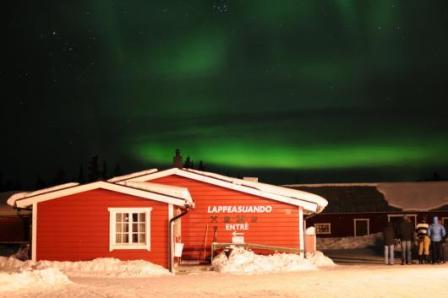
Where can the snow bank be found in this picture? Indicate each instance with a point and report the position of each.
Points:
(348, 242)
(247, 262)
(29, 279)
(104, 267)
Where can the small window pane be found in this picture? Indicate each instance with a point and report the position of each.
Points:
(125, 238)
(119, 228)
(135, 228)
(134, 238)
(119, 238)
(142, 227)
(119, 217)
(126, 228)
(141, 238)
(125, 217)
(141, 217)
(134, 217)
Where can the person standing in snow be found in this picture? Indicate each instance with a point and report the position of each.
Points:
(406, 239)
(389, 241)
(436, 232)
(423, 241)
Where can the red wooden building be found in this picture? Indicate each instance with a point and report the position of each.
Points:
(357, 209)
(228, 208)
(74, 222)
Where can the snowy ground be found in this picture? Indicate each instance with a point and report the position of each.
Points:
(281, 275)
(338, 281)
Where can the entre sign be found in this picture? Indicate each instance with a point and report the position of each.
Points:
(240, 222)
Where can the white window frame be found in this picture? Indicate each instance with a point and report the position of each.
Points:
(389, 216)
(112, 229)
(328, 224)
(443, 219)
(361, 219)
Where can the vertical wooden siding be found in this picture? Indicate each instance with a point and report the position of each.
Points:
(76, 227)
(278, 228)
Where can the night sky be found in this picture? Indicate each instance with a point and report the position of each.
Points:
(290, 91)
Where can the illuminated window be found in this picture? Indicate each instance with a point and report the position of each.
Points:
(129, 228)
(322, 228)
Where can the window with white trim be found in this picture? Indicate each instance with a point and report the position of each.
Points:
(130, 228)
(361, 226)
(445, 222)
(322, 228)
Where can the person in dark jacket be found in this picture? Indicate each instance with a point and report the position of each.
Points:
(406, 239)
(389, 241)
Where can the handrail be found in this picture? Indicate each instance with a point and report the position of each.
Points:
(217, 245)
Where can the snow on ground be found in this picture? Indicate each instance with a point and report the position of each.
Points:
(98, 267)
(37, 279)
(243, 261)
(349, 242)
(106, 267)
(15, 274)
(338, 281)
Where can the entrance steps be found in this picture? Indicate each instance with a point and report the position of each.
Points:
(192, 268)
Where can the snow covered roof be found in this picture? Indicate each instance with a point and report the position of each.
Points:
(174, 191)
(5, 208)
(310, 202)
(418, 196)
(381, 196)
(132, 175)
(23, 200)
(21, 195)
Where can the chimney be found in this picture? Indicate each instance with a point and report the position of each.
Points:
(253, 179)
(177, 160)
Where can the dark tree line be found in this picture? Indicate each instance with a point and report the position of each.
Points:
(95, 170)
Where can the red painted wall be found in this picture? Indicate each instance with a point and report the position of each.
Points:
(278, 228)
(76, 227)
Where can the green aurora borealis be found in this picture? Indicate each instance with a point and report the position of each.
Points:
(288, 85)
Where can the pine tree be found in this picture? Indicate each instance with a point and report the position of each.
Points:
(40, 183)
(93, 169)
(201, 166)
(117, 170)
(104, 171)
(188, 163)
(60, 177)
(81, 178)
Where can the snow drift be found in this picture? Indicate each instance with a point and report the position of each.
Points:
(247, 262)
(98, 267)
(349, 242)
(44, 278)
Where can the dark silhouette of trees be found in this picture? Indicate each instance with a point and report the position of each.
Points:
(93, 169)
(40, 183)
(188, 163)
(60, 177)
(81, 178)
(117, 170)
(104, 173)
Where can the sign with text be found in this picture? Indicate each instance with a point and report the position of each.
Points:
(240, 222)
